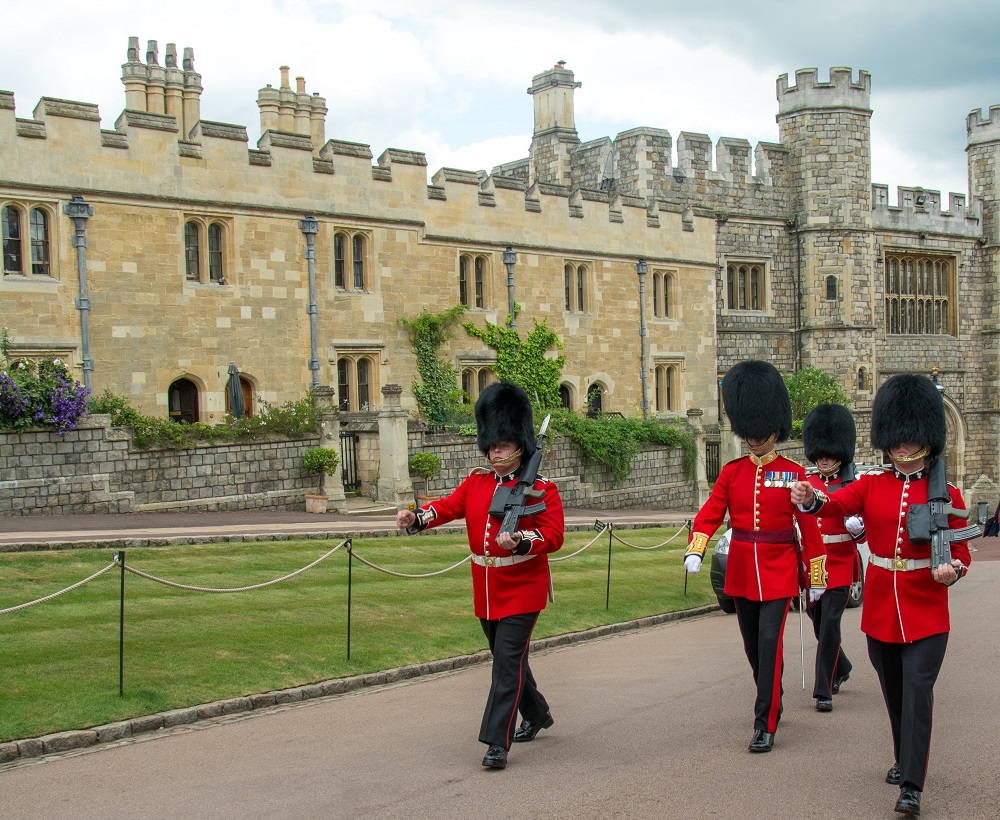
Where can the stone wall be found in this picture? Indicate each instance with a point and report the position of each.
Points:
(95, 469)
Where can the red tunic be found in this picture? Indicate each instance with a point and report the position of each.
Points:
(498, 592)
(839, 548)
(758, 570)
(900, 607)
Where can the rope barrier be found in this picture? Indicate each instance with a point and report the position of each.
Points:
(190, 588)
(656, 547)
(553, 559)
(368, 563)
(77, 585)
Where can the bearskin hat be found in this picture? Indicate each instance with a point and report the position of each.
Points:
(828, 430)
(908, 409)
(756, 401)
(503, 413)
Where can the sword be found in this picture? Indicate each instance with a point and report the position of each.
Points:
(802, 648)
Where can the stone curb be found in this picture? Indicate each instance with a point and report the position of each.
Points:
(15, 750)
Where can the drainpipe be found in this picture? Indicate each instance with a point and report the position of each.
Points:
(309, 227)
(79, 211)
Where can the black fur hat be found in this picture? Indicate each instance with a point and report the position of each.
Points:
(828, 430)
(756, 401)
(503, 413)
(908, 409)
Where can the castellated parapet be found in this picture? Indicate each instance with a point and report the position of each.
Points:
(809, 93)
(919, 210)
(981, 130)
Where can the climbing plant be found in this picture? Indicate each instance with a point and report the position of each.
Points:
(525, 362)
(438, 394)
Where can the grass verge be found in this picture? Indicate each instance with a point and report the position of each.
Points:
(60, 668)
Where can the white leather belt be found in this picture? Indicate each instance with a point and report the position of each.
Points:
(500, 560)
(837, 539)
(900, 564)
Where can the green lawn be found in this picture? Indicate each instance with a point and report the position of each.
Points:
(59, 659)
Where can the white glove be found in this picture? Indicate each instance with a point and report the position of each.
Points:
(692, 563)
(855, 525)
(815, 593)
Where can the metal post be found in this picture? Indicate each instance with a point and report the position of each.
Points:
(641, 269)
(607, 595)
(120, 558)
(79, 211)
(509, 260)
(350, 566)
(309, 227)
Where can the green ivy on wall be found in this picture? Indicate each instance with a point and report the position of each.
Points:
(438, 394)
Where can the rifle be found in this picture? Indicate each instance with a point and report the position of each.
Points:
(928, 523)
(511, 504)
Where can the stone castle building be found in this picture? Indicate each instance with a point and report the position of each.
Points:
(154, 254)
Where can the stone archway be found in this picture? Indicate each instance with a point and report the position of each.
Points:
(954, 452)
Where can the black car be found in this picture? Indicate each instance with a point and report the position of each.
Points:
(718, 575)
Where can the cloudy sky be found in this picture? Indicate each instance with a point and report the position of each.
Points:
(448, 77)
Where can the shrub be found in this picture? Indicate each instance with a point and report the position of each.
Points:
(41, 394)
(425, 465)
(293, 419)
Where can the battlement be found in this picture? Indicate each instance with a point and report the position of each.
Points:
(919, 210)
(809, 93)
(982, 130)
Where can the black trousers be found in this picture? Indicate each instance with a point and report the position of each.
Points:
(513, 687)
(907, 672)
(831, 662)
(762, 624)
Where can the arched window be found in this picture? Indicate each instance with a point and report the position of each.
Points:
(216, 273)
(666, 387)
(657, 295)
(192, 251)
(480, 281)
(247, 389)
(201, 258)
(40, 243)
(918, 294)
(358, 260)
(339, 242)
(595, 399)
(745, 286)
(13, 260)
(463, 280)
(358, 381)
(364, 388)
(576, 287)
(831, 287)
(862, 379)
(182, 401)
(475, 378)
(472, 272)
(565, 397)
(350, 259)
(344, 384)
(467, 382)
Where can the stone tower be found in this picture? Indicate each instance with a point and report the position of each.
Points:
(826, 129)
(555, 135)
(984, 184)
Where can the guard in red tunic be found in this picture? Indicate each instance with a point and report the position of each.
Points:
(905, 615)
(829, 437)
(510, 573)
(763, 568)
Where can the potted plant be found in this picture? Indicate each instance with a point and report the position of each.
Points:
(427, 466)
(322, 461)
